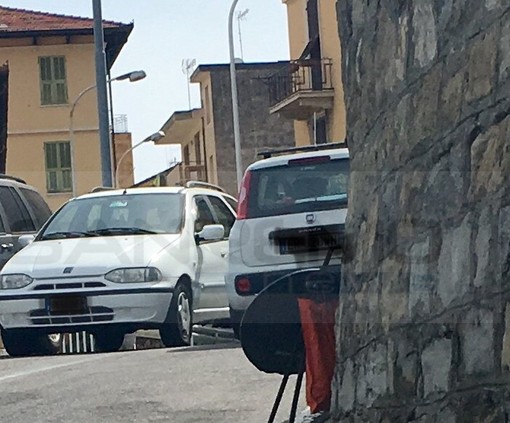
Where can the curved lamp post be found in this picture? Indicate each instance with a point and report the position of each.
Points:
(132, 77)
(235, 102)
(152, 138)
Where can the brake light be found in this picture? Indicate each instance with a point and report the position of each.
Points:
(244, 191)
(310, 160)
(243, 286)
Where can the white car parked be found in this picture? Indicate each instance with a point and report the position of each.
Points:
(292, 209)
(114, 262)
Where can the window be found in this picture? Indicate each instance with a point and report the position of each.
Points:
(204, 215)
(186, 155)
(231, 202)
(41, 210)
(198, 151)
(17, 214)
(223, 214)
(298, 188)
(58, 166)
(52, 72)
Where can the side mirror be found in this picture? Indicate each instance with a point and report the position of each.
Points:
(24, 240)
(211, 233)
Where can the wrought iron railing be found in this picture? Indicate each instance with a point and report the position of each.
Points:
(300, 75)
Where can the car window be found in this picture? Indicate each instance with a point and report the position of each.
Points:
(41, 210)
(18, 217)
(204, 215)
(223, 214)
(231, 202)
(119, 214)
(298, 188)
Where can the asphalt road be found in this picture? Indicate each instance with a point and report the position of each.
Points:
(200, 384)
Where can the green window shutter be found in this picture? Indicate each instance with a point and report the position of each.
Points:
(58, 166)
(53, 80)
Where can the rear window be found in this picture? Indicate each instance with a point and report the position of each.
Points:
(39, 207)
(298, 188)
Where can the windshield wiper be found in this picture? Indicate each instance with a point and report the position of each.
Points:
(124, 231)
(68, 234)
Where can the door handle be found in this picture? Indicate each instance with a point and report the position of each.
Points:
(223, 254)
(7, 247)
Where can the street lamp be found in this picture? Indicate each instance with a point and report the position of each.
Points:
(132, 77)
(152, 138)
(235, 102)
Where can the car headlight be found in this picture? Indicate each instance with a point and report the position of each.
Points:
(15, 281)
(134, 275)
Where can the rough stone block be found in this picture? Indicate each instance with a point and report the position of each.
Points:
(482, 65)
(425, 36)
(483, 248)
(346, 394)
(372, 380)
(477, 341)
(455, 263)
(436, 361)
(420, 280)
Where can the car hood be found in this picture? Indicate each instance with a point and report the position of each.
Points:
(87, 256)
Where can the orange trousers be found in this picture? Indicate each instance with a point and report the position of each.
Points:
(318, 326)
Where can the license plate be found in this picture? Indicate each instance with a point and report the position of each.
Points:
(67, 305)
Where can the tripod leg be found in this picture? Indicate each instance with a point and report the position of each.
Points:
(297, 391)
(278, 399)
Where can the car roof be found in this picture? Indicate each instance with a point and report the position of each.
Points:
(336, 153)
(152, 190)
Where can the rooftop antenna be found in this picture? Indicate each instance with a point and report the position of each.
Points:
(187, 69)
(241, 16)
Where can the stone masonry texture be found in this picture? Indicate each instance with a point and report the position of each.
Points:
(423, 326)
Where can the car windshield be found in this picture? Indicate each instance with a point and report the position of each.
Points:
(127, 214)
(299, 187)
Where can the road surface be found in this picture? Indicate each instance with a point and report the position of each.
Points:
(188, 385)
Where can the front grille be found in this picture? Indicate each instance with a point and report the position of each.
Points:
(95, 314)
(73, 285)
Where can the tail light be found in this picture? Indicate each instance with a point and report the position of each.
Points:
(243, 286)
(242, 206)
(310, 160)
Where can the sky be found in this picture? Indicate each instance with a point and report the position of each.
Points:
(165, 33)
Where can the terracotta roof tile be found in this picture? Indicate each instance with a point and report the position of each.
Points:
(19, 20)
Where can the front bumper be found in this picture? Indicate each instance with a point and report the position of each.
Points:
(134, 308)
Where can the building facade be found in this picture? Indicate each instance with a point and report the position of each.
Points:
(309, 90)
(46, 61)
(206, 134)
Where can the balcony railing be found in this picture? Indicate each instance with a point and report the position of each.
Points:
(307, 75)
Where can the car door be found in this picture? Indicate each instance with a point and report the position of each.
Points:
(212, 262)
(6, 240)
(17, 221)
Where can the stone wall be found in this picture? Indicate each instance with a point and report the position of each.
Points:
(424, 320)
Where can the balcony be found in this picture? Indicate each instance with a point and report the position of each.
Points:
(302, 88)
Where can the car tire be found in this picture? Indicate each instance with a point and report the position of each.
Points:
(176, 332)
(24, 343)
(108, 341)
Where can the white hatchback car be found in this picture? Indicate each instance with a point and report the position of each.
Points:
(292, 210)
(114, 262)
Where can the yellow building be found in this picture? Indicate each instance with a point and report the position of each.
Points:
(310, 89)
(46, 61)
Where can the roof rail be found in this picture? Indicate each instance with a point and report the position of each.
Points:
(200, 184)
(266, 154)
(101, 189)
(12, 178)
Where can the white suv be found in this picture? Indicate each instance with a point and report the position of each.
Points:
(117, 261)
(292, 209)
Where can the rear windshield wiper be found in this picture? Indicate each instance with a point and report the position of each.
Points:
(68, 234)
(124, 231)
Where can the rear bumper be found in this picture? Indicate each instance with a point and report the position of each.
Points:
(133, 308)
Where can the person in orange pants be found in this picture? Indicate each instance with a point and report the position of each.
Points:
(318, 327)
